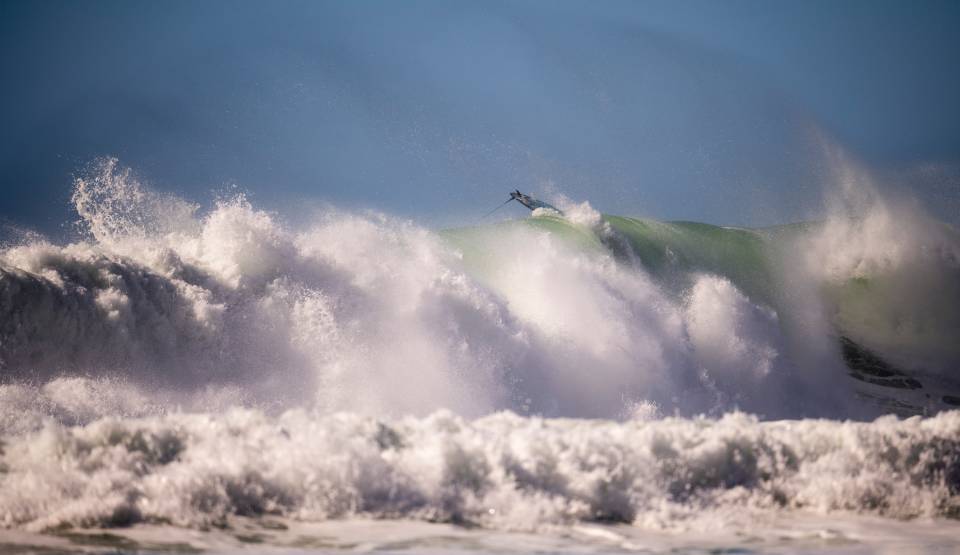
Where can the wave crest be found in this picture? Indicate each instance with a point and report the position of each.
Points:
(366, 313)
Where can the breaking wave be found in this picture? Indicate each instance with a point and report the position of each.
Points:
(180, 365)
(502, 471)
(369, 314)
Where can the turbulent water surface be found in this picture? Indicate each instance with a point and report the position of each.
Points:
(187, 379)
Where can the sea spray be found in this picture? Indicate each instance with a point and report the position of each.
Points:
(195, 368)
(361, 313)
(890, 272)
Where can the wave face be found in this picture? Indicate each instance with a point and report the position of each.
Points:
(317, 358)
(584, 315)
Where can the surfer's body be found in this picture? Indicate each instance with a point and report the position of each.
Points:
(530, 202)
(525, 200)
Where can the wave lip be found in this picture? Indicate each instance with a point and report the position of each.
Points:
(503, 471)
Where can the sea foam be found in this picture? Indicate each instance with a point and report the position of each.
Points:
(502, 471)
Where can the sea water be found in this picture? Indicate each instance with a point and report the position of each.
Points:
(180, 378)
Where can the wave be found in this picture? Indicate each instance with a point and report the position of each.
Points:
(584, 315)
(501, 471)
(180, 366)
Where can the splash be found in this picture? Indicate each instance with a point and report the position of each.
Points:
(368, 314)
(891, 272)
(579, 315)
(181, 367)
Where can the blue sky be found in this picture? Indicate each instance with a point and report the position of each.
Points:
(709, 111)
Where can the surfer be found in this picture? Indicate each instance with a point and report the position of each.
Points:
(530, 202)
(527, 201)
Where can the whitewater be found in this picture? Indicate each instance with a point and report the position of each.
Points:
(182, 378)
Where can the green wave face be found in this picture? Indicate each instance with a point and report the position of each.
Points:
(481, 246)
(914, 317)
(669, 249)
(889, 328)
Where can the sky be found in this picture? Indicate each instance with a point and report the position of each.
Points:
(434, 110)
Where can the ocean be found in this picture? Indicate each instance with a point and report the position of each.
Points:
(218, 379)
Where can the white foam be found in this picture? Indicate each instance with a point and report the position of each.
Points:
(735, 341)
(365, 313)
(502, 471)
